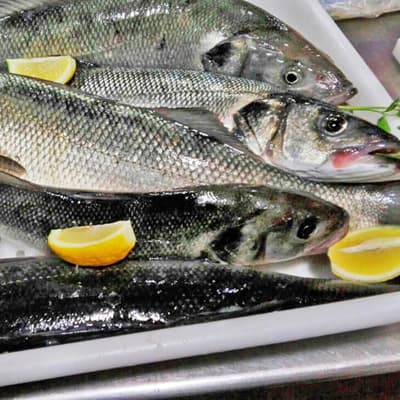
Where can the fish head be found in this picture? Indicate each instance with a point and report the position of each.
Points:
(317, 140)
(284, 59)
(307, 226)
(277, 226)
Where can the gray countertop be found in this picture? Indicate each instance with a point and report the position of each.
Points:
(367, 352)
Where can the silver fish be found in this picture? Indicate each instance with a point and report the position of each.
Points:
(231, 37)
(46, 302)
(163, 88)
(52, 135)
(230, 223)
(300, 135)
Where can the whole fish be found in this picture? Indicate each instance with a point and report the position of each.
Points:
(53, 135)
(47, 302)
(229, 223)
(343, 9)
(303, 136)
(230, 37)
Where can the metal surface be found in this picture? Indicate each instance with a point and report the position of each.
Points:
(353, 354)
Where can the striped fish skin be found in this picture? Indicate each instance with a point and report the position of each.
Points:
(46, 302)
(157, 88)
(52, 135)
(231, 37)
(64, 138)
(229, 223)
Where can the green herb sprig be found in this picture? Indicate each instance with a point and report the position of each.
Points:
(393, 110)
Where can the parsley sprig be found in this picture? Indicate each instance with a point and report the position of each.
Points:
(393, 110)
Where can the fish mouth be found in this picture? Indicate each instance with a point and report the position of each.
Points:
(349, 156)
(322, 247)
(387, 150)
(340, 98)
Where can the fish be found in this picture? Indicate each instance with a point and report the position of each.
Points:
(301, 135)
(172, 89)
(344, 9)
(228, 223)
(230, 37)
(55, 136)
(46, 302)
(317, 141)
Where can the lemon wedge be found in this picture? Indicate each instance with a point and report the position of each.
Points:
(94, 245)
(55, 69)
(367, 255)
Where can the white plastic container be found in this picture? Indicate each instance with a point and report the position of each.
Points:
(309, 18)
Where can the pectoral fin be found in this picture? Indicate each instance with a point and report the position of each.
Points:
(9, 166)
(205, 122)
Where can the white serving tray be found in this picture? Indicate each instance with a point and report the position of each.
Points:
(309, 18)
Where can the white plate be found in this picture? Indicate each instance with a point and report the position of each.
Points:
(309, 18)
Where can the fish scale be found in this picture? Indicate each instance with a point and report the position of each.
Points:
(170, 88)
(68, 304)
(115, 145)
(232, 37)
(286, 130)
(226, 223)
(64, 138)
(126, 33)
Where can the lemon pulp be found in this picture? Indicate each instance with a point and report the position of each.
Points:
(368, 255)
(55, 69)
(94, 245)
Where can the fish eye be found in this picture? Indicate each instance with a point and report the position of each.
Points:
(334, 124)
(307, 227)
(292, 76)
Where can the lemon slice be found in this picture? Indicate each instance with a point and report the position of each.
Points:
(56, 69)
(94, 245)
(367, 255)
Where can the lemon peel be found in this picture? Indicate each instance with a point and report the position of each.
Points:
(93, 245)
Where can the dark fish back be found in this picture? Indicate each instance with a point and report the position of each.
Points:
(128, 33)
(167, 224)
(46, 302)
